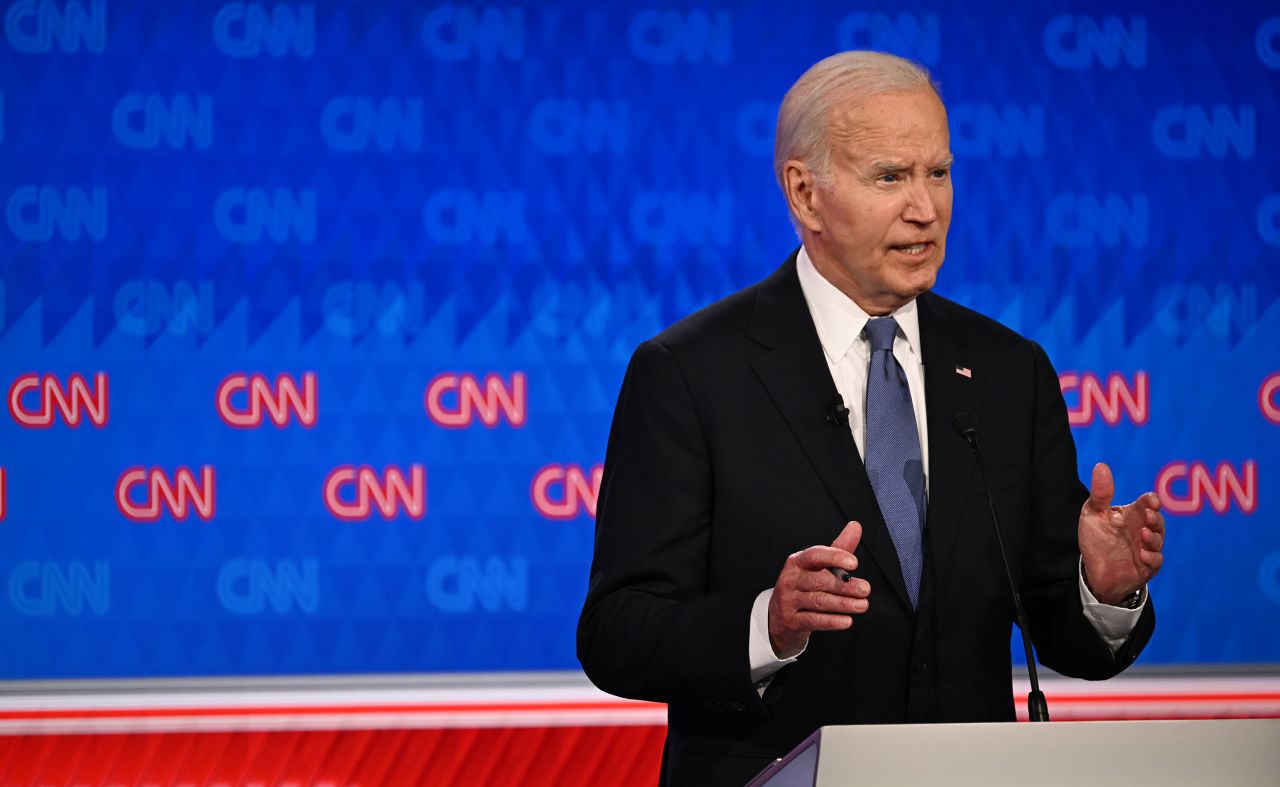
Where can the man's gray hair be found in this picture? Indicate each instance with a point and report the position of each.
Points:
(843, 78)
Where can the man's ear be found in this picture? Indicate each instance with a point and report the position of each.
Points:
(800, 183)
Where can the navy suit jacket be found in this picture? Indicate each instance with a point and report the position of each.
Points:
(722, 462)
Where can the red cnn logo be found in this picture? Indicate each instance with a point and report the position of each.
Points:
(387, 493)
(279, 403)
(72, 402)
(1094, 399)
(1220, 488)
(562, 491)
(178, 495)
(1267, 398)
(454, 400)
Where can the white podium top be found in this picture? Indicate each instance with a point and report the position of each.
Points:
(1163, 753)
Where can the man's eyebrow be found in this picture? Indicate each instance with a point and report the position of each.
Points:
(891, 166)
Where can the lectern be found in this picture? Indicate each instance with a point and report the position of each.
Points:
(1162, 753)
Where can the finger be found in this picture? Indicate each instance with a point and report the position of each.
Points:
(825, 582)
(849, 538)
(1152, 501)
(1102, 487)
(820, 558)
(818, 581)
(1152, 540)
(1152, 560)
(821, 621)
(1155, 521)
(830, 602)
(854, 588)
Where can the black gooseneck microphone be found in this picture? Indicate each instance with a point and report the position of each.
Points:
(966, 425)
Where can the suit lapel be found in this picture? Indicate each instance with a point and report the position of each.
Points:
(795, 374)
(951, 464)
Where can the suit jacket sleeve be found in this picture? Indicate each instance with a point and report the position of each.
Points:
(1065, 641)
(651, 628)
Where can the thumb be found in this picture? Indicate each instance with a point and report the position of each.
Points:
(1102, 487)
(848, 538)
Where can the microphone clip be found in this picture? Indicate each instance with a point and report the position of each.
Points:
(837, 413)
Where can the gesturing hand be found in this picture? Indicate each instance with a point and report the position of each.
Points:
(807, 597)
(1120, 544)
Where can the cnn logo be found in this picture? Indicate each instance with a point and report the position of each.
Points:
(563, 492)
(142, 494)
(353, 493)
(1111, 400)
(456, 401)
(1185, 487)
(35, 400)
(246, 401)
(1268, 396)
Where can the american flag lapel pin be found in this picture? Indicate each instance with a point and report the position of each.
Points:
(964, 371)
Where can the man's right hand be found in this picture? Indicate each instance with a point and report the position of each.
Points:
(807, 597)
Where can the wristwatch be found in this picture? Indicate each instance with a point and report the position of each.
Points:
(1133, 600)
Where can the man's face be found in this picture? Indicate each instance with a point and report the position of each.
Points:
(877, 226)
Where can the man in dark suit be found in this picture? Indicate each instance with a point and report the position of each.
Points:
(815, 409)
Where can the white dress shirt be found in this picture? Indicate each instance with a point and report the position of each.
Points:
(839, 322)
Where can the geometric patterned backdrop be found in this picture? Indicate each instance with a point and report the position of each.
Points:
(313, 315)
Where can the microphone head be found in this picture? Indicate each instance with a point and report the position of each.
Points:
(965, 423)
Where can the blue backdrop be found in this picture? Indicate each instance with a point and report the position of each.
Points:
(312, 315)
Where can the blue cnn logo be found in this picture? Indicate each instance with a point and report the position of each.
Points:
(32, 26)
(1189, 131)
(147, 307)
(1223, 311)
(457, 585)
(249, 587)
(1267, 40)
(461, 33)
(248, 29)
(455, 217)
(1088, 220)
(354, 309)
(1077, 42)
(666, 37)
(35, 212)
(349, 124)
(42, 589)
(908, 35)
(983, 130)
(1269, 221)
(561, 127)
(663, 218)
(142, 121)
(242, 215)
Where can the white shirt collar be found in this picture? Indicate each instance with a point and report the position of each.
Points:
(839, 320)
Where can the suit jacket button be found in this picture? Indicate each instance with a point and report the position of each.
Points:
(919, 667)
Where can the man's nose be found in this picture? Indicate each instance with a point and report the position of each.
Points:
(920, 208)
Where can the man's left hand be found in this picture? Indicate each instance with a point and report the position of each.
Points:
(1121, 545)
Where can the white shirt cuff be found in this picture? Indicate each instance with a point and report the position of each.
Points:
(1113, 624)
(764, 662)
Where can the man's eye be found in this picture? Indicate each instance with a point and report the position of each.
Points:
(889, 177)
(940, 173)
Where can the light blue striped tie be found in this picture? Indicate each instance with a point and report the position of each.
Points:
(894, 464)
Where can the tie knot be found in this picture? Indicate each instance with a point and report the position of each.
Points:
(880, 332)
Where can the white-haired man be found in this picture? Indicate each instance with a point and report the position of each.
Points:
(804, 425)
